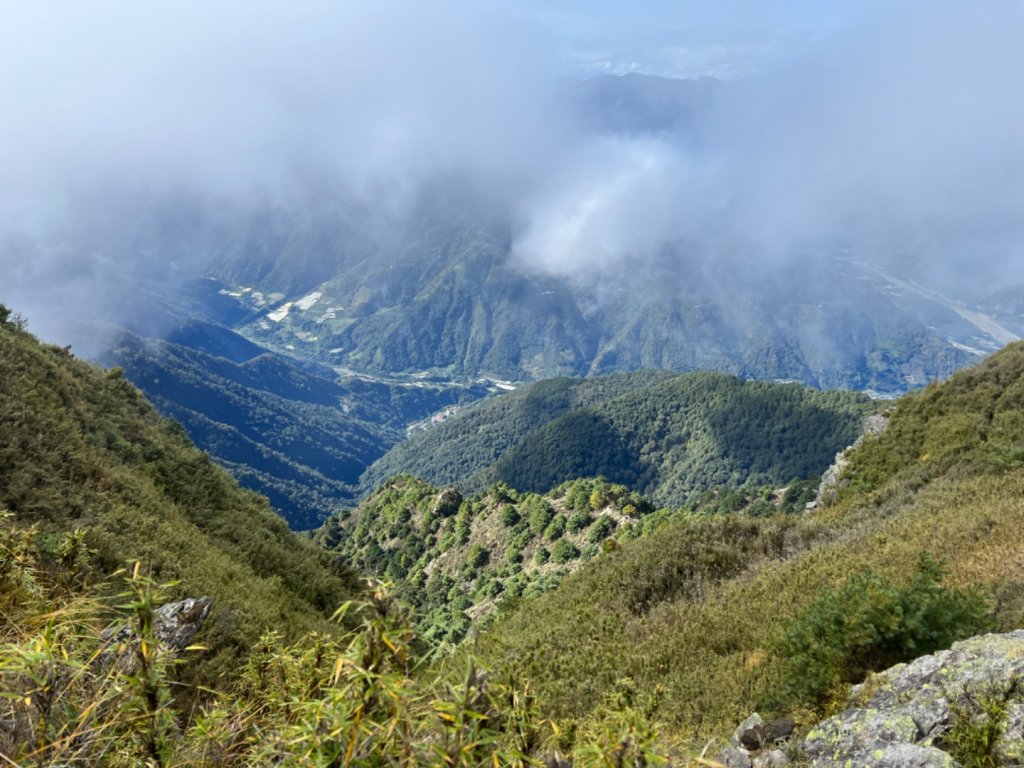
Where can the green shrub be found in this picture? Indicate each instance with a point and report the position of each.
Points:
(462, 529)
(563, 551)
(509, 517)
(580, 500)
(578, 522)
(555, 528)
(601, 530)
(870, 624)
(478, 557)
(540, 516)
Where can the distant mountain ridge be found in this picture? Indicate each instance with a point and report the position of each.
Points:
(668, 436)
(443, 294)
(433, 283)
(449, 300)
(294, 432)
(400, 310)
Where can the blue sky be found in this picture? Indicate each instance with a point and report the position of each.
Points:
(686, 38)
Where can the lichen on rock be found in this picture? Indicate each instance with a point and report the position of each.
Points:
(907, 715)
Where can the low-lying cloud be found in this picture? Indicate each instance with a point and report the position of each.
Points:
(900, 134)
(905, 133)
(232, 97)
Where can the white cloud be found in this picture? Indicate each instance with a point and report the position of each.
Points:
(913, 133)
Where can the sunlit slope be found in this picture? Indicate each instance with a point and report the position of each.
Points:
(691, 614)
(81, 447)
(670, 437)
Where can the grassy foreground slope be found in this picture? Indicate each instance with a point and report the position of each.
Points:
(692, 616)
(669, 437)
(81, 447)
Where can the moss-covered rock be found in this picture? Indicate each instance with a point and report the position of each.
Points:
(966, 702)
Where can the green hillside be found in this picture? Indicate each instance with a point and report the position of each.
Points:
(671, 629)
(81, 447)
(444, 292)
(458, 561)
(454, 559)
(295, 433)
(694, 617)
(669, 437)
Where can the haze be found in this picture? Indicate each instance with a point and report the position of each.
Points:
(893, 131)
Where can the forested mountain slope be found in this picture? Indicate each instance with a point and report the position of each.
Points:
(454, 558)
(296, 433)
(444, 293)
(81, 447)
(669, 437)
(701, 621)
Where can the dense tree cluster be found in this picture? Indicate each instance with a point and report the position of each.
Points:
(669, 437)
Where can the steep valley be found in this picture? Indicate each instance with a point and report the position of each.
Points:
(672, 623)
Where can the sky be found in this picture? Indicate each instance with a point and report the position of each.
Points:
(882, 127)
(688, 38)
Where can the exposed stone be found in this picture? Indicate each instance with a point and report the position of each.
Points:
(175, 624)
(832, 479)
(1010, 750)
(772, 758)
(734, 757)
(751, 723)
(858, 731)
(874, 425)
(899, 717)
(893, 756)
(778, 730)
(753, 738)
(747, 747)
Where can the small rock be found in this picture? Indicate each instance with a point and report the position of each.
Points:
(771, 758)
(753, 739)
(733, 757)
(778, 730)
(751, 722)
(175, 624)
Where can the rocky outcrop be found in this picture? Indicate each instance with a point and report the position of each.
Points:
(174, 624)
(923, 713)
(832, 479)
